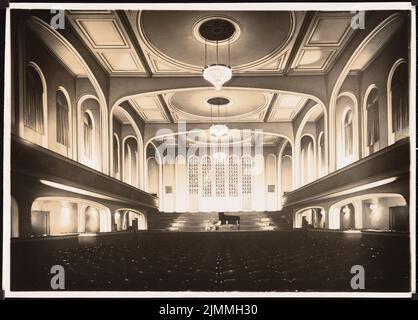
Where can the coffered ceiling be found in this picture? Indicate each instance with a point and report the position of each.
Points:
(106, 37)
(171, 44)
(168, 43)
(326, 36)
(245, 105)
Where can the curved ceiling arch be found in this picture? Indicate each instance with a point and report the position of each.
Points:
(247, 105)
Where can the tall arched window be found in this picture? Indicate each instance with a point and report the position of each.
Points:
(206, 176)
(400, 100)
(88, 136)
(246, 174)
(372, 120)
(193, 172)
(233, 176)
(62, 119)
(348, 133)
(33, 113)
(220, 178)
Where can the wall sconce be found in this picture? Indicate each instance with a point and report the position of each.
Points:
(373, 206)
(346, 210)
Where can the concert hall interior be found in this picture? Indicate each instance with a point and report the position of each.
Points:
(210, 150)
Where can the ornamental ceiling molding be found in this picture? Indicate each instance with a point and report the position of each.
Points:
(162, 64)
(257, 114)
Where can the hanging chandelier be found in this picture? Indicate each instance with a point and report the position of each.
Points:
(216, 31)
(217, 74)
(218, 130)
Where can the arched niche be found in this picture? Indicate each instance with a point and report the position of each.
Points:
(398, 101)
(64, 215)
(90, 135)
(64, 142)
(33, 113)
(371, 123)
(346, 130)
(123, 125)
(130, 161)
(313, 123)
(129, 219)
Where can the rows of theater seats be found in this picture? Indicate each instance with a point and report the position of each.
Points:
(197, 222)
(245, 261)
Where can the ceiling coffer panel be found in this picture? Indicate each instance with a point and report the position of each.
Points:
(105, 36)
(286, 107)
(326, 36)
(150, 108)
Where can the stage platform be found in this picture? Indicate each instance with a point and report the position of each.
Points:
(206, 221)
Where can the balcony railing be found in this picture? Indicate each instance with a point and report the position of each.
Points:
(388, 162)
(33, 160)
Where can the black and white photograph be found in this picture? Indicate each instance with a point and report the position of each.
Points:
(209, 150)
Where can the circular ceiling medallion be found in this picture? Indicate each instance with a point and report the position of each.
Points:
(218, 101)
(216, 29)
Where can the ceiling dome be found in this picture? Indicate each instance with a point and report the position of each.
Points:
(253, 35)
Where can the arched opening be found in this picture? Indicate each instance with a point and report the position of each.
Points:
(312, 125)
(90, 135)
(371, 121)
(124, 127)
(130, 161)
(346, 126)
(312, 217)
(92, 220)
(63, 216)
(383, 211)
(129, 219)
(34, 111)
(153, 169)
(307, 159)
(398, 102)
(347, 217)
(63, 122)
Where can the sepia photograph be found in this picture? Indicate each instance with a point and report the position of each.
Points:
(196, 150)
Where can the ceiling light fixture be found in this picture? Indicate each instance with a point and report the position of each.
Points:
(218, 130)
(216, 30)
(217, 74)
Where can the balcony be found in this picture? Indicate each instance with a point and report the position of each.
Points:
(42, 164)
(393, 161)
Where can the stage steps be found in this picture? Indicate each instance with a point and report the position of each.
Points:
(201, 221)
